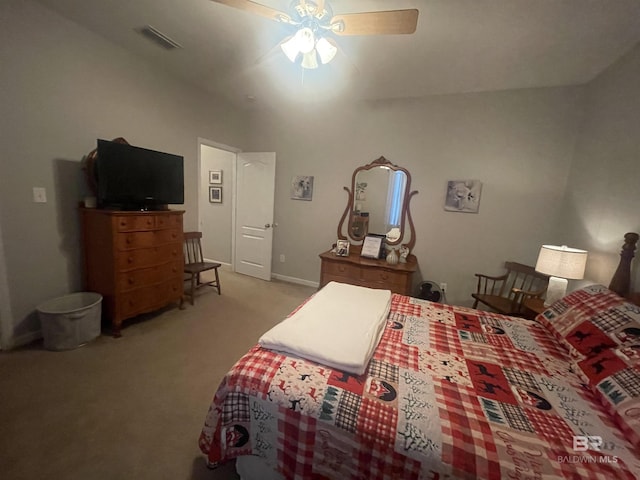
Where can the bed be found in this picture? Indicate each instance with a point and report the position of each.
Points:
(449, 392)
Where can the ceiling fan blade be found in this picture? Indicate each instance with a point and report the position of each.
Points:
(258, 9)
(392, 22)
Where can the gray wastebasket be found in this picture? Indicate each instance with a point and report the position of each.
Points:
(70, 321)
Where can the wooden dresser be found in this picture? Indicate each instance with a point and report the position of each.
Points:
(134, 259)
(368, 272)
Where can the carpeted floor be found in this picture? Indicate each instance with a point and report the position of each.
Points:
(133, 407)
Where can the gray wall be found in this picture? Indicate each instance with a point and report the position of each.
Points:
(602, 199)
(62, 87)
(216, 218)
(518, 143)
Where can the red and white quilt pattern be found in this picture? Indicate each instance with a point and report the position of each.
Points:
(450, 393)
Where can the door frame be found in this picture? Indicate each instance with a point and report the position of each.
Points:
(235, 151)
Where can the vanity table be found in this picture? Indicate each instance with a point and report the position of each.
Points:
(368, 272)
(382, 198)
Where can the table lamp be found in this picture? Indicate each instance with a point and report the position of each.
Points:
(561, 263)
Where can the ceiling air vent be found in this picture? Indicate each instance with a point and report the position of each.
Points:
(158, 37)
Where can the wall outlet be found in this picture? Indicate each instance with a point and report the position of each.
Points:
(282, 258)
(443, 286)
(39, 195)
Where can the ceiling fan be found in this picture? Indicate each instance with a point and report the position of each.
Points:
(315, 24)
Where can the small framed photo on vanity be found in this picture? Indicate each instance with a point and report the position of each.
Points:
(372, 246)
(342, 248)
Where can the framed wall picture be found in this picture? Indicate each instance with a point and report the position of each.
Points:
(372, 246)
(215, 194)
(302, 187)
(215, 176)
(463, 196)
(342, 248)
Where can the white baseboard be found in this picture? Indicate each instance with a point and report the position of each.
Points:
(298, 281)
(217, 261)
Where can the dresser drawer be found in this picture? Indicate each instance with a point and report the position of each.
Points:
(130, 223)
(171, 290)
(148, 276)
(326, 278)
(380, 275)
(149, 238)
(397, 282)
(343, 269)
(168, 221)
(371, 273)
(149, 298)
(137, 301)
(148, 257)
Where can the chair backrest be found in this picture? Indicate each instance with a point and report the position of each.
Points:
(192, 248)
(523, 277)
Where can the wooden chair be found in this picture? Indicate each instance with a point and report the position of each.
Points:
(505, 294)
(194, 264)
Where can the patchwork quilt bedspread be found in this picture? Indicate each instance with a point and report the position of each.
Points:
(451, 392)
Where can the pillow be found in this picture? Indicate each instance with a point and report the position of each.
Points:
(614, 376)
(591, 320)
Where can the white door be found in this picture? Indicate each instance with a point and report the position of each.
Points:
(255, 187)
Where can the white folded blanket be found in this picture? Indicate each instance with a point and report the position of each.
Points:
(340, 326)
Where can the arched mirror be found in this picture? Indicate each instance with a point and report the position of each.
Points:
(379, 204)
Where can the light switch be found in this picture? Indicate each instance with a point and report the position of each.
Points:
(39, 195)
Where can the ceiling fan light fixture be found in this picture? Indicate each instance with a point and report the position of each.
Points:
(326, 50)
(314, 18)
(290, 48)
(309, 60)
(306, 40)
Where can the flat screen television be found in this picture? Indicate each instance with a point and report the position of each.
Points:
(134, 178)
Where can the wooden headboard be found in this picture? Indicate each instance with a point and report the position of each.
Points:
(621, 281)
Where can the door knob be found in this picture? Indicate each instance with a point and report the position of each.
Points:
(267, 225)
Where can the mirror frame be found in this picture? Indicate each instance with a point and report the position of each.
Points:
(406, 211)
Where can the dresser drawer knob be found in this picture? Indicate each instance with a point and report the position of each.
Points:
(130, 260)
(342, 268)
(384, 276)
(132, 280)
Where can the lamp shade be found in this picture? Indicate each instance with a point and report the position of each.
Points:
(326, 50)
(303, 42)
(290, 48)
(563, 262)
(309, 60)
